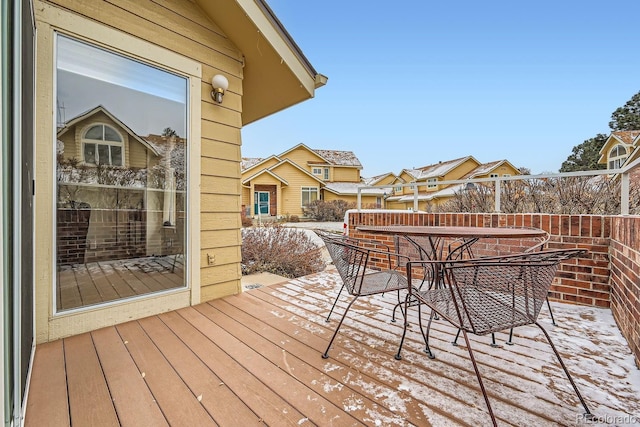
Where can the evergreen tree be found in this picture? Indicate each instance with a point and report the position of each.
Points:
(627, 117)
(585, 156)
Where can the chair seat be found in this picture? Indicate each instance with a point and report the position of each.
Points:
(485, 312)
(382, 281)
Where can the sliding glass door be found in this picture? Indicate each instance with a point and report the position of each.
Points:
(121, 150)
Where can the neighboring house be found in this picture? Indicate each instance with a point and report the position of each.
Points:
(499, 168)
(149, 66)
(622, 147)
(283, 184)
(427, 178)
(432, 193)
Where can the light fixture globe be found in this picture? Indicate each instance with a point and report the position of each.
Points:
(220, 84)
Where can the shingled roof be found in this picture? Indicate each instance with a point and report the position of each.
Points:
(339, 158)
(248, 162)
(626, 136)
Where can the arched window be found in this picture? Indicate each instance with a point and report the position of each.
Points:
(102, 145)
(617, 156)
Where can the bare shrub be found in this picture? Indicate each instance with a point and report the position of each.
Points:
(333, 210)
(598, 195)
(280, 250)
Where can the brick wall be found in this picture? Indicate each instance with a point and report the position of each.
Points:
(72, 228)
(607, 276)
(90, 235)
(625, 278)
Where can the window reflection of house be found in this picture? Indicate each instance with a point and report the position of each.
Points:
(117, 201)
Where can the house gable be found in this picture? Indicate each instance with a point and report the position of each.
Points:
(628, 139)
(303, 156)
(136, 149)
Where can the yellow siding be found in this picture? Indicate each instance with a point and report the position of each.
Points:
(291, 203)
(407, 179)
(71, 149)
(246, 197)
(302, 156)
(137, 154)
(504, 169)
(181, 28)
(346, 174)
(460, 171)
(387, 180)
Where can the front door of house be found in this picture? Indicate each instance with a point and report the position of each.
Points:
(261, 202)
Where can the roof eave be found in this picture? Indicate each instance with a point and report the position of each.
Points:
(273, 62)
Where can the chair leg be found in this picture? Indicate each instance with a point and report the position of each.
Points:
(334, 303)
(398, 356)
(400, 305)
(395, 308)
(475, 368)
(493, 341)
(510, 340)
(325, 355)
(427, 349)
(566, 371)
(553, 321)
(455, 340)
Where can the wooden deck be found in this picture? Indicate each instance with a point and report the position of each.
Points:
(254, 359)
(80, 285)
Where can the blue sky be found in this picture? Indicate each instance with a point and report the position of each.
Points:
(412, 83)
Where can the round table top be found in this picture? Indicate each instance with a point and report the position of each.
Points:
(455, 231)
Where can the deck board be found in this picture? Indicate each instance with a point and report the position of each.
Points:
(300, 357)
(169, 390)
(198, 377)
(48, 404)
(292, 375)
(89, 398)
(272, 407)
(134, 402)
(255, 358)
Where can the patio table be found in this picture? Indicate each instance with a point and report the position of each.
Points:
(462, 239)
(467, 236)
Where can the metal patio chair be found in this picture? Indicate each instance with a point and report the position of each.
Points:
(486, 295)
(353, 264)
(362, 242)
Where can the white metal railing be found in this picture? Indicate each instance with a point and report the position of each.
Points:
(622, 172)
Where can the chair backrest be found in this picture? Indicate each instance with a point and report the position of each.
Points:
(349, 259)
(500, 293)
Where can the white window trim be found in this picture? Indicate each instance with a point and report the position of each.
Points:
(51, 19)
(432, 182)
(309, 189)
(615, 162)
(84, 141)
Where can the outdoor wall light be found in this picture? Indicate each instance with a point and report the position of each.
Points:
(220, 84)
